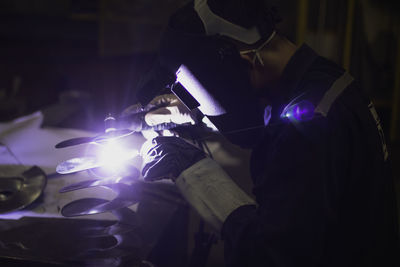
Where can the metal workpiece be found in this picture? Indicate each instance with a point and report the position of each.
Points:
(19, 190)
(127, 196)
(77, 164)
(111, 135)
(96, 182)
(135, 230)
(110, 161)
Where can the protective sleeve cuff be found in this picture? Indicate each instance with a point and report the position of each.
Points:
(210, 191)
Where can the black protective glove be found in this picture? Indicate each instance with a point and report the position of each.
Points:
(168, 157)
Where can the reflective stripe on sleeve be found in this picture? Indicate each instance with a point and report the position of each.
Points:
(333, 93)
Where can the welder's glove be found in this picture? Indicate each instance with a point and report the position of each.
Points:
(168, 108)
(167, 157)
(171, 109)
(162, 109)
(203, 183)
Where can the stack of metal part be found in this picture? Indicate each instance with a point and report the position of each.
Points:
(137, 225)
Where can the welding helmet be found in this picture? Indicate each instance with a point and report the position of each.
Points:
(196, 49)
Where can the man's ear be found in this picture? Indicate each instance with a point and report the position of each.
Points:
(248, 59)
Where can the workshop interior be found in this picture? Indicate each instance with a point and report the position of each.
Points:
(69, 70)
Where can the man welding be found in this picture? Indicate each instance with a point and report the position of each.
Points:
(320, 165)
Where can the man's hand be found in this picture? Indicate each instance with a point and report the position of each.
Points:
(202, 182)
(168, 108)
(162, 109)
(167, 157)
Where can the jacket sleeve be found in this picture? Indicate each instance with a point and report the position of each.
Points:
(288, 226)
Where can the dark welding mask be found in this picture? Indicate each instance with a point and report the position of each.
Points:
(209, 74)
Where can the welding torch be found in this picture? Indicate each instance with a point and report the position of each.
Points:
(134, 122)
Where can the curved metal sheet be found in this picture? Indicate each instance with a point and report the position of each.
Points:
(18, 192)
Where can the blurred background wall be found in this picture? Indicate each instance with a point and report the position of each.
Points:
(101, 47)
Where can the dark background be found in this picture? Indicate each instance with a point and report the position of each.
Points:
(80, 59)
(101, 48)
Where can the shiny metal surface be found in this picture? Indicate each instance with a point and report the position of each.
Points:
(17, 192)
(116, 134)
(115, 229)
(123, 246)
(127, 196)
(100, 138)
(81, 207)
(128, 172)
(127, 221)
(101, 182)
(88, 206)
(74, 142)
(77, 165)
(87, 184)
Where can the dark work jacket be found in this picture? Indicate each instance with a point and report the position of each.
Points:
(323, 186)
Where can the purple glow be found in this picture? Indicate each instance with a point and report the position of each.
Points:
(298, 114)
(302, 111)
(113, 156)
(267, 115)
